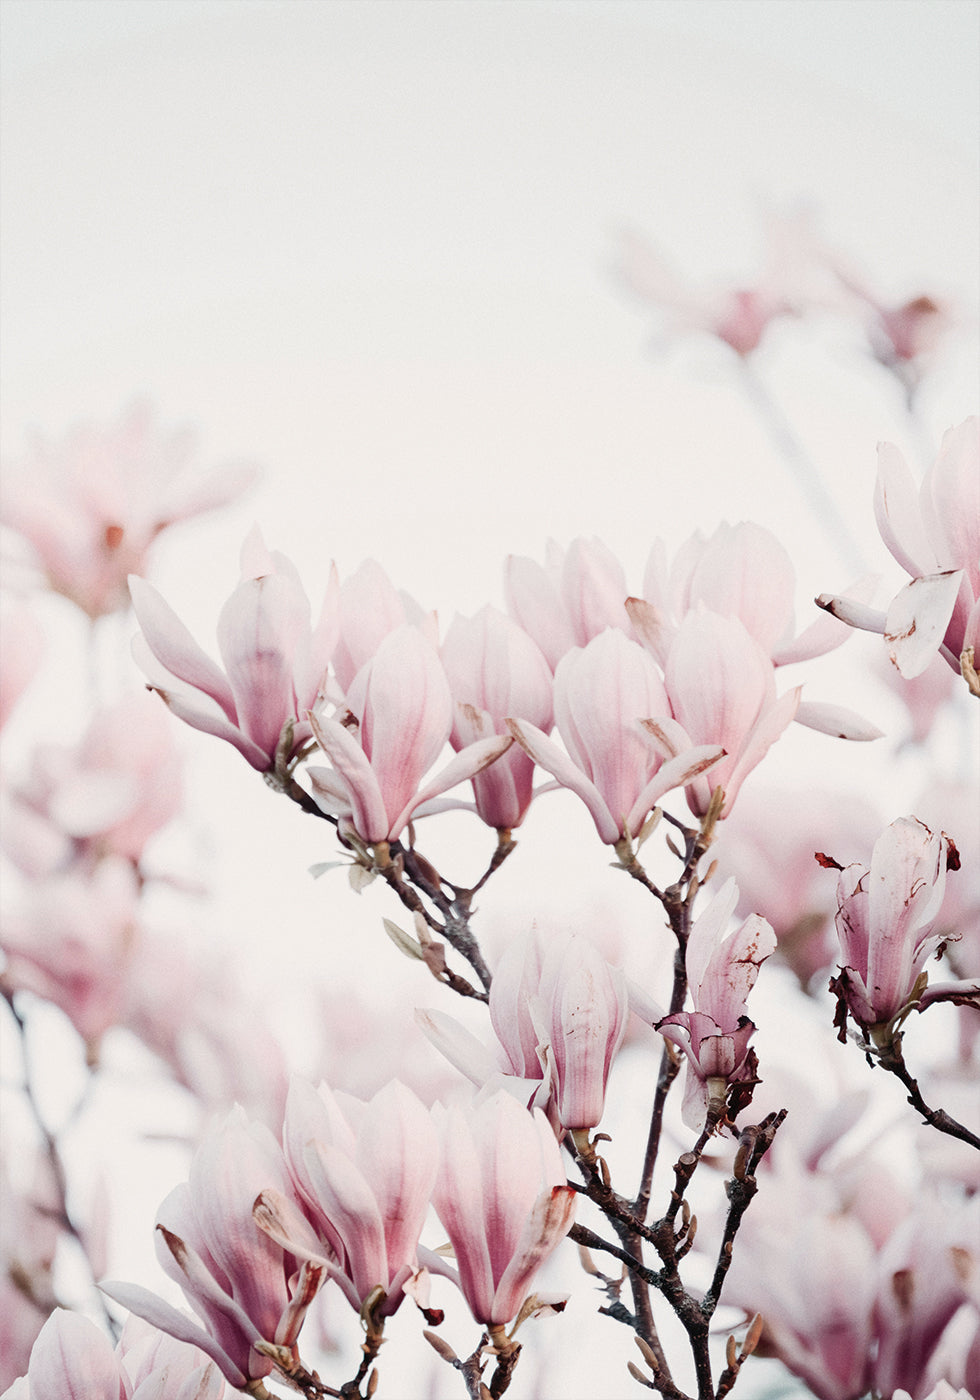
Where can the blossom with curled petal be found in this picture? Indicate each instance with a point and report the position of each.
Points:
(884, 916)
(363, 1174)
(495, 671)
(275, 659)
(241, 1283)
(502, 1196)
(402, 708)
(722, 968)
(603, 692)
(933, 532)
(91, 506)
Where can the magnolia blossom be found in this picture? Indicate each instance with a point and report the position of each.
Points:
(21, 649)
(403, 712)
(722, 691)
(73, 943)
(741, 571)
(29, 1235)
(502, 1196)
(91, 506)
(368, 608)
(934, 533)
(574, 596)
(363, 1173)
(721, 971)
(73, 1360)
(559, 1012)
(495, 671)
(109, 793)
(884, 919)
(603, 693)
(274, 659)
(243, 1285)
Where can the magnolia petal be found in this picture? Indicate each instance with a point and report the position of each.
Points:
(898, 514)
(764, 733)
(195, 710)
(174, 647)
(466, 764)
(547, 1225)
(351, 763)
(917, 620)
(836, 720)
(827, 632)
(160, 1314)
(651, 626)
(460, 1047)
(547, 755)
(852, 611)
(677, 772)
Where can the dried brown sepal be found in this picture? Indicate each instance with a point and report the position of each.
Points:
(826, 861)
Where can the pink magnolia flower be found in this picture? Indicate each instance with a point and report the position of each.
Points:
(91, 506)
(722, 691)
(369, 607)
(934, 533)
(107, 794)
(884, 918)
(71, 1360)
(741, 571)
(574, 596)
(502, 1196)
(29, 1235)
(72, 943)
(559, 1012)
(495, 671)
(721, 971)
(242, 1284)
(603, 692)
(274, 659)
(363, 1173)
(402, 711)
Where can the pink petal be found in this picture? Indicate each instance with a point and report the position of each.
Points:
(175, 648)
(547, 755)
(351, 764)
(836, 720)
(898, 514)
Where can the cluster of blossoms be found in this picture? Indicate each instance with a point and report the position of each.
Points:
(362, 715)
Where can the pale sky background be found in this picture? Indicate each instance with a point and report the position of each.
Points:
(370, 246)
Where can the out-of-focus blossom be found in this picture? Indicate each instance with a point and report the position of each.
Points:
(496, 671)
(926, 1271)
(402, 710)
(275, 659)
(369, 607)
(92, 505)
(241, 1283)
(934, 533)
(29, 1233)
(722, 691)
(71, 1360)
(741, 571)
(574, 596)
(922, 697)
(603, 693)
(502, 1196)
(791, 280)
(155, 1366)
(108, 794)
(72, 943)
(884, 921)
(768, 844)
(21, 647)
(364, 1173)
(722, 969)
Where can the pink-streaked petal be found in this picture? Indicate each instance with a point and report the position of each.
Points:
(398, 1152)
(917, 620)
(459, 1203)
(652, 627)
(732, 971)
(259, 629)
(466, 764)
(686, 768)
(547, 755)
(771, 723)
(347, 1200)
(533, 601)
(174, 647)
(550, 1220)
(195, 710)
(836, 720)
(706, 935)
(72, 1360)
(350, 762)
(160, 1314)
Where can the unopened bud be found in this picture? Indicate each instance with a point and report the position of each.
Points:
(753, 1336)
(440, 1345)
(648, 1354)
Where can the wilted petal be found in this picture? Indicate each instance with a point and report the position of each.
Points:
(917, 619)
